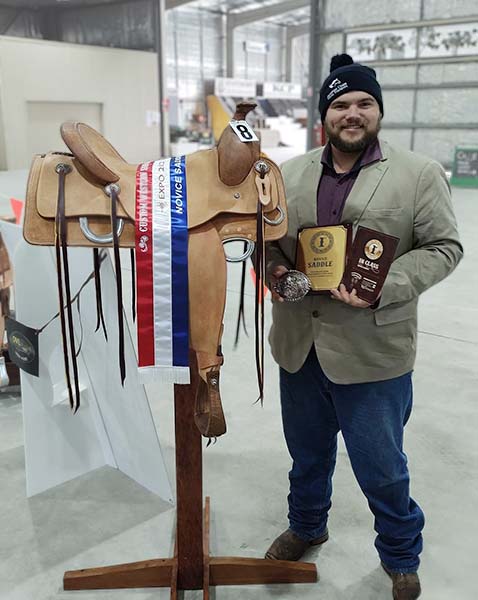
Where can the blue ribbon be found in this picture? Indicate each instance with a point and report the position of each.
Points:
(179, 261)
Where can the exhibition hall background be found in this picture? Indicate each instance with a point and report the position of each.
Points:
(96, 61)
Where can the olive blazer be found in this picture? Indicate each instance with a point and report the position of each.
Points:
(404, 194)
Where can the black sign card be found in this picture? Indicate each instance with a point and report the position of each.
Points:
(22, 346)
(369, 262)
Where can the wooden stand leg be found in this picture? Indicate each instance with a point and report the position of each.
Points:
(189, 497)
(229, 570)
(174, 576)
(206, 563)
(143, 574)
(192, 567)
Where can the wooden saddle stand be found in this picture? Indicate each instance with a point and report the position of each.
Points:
(192, 567)
(244, 200)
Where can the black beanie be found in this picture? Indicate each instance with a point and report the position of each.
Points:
(347, 76)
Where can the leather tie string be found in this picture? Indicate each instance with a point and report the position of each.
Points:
(63, 273)
(259, 299)
(241, 319)
(100, 320)
(113, 192)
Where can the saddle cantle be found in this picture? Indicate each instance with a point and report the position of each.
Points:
(87, 198)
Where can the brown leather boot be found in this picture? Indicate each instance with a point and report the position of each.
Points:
(406, 586)
(289, 546)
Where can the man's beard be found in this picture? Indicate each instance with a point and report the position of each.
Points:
(354, 146)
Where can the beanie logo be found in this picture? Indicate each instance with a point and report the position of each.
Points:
(338, 87)
(334, 83)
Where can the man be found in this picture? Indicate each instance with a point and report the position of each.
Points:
(346, 365)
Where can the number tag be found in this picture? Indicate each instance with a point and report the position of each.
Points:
(244, 131)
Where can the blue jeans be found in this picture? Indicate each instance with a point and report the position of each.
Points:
(371, 417)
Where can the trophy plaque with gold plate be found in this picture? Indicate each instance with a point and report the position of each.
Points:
(322, 255)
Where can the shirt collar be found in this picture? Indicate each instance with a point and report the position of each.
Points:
(372, 153)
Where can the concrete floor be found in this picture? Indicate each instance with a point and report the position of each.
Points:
(105, 518)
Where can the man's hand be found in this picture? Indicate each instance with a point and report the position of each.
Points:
(277, 273)
(349, 298)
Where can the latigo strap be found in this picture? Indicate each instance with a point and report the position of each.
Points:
(63, 272)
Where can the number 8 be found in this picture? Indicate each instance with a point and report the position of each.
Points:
(244, 131)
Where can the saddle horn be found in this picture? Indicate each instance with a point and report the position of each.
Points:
(236, 158)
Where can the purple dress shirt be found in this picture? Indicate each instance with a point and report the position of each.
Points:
(334, 188)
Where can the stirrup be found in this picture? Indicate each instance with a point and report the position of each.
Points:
(247, 253)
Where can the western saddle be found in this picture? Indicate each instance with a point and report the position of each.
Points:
(87, 198)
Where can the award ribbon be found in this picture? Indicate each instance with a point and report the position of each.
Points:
(162, 271)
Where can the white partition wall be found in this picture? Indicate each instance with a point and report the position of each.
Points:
(114, 425)
(43, 83)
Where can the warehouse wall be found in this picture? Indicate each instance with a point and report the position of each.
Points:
(342, 14)
(431, 105)
(194, 43)
(122, 82)
(194, 39)
(418, 113)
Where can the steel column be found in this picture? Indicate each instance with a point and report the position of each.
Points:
(316, 26)
(160, 39)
